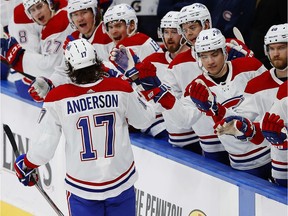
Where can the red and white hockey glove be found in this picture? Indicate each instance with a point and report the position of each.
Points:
(237, 126)
(204, 99)
(153, 87)
(39, 88)
(26, 175)
(236, 49)
(274, 130)
(125, 61)
(11, 50)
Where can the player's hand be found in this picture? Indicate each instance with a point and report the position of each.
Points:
(202, 96)
(237, 126)
(68, 39)
(26, 176)
(274, 130)
(11, 50)
(236, 50)
(148, 79)
(39, 88)
(125, 60)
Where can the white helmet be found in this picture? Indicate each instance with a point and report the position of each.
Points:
(29, 3)
(76, 5)
(120, 12)
(210, 39)
(170, 20)
(276, 34)
(194, 12)
(80, 53)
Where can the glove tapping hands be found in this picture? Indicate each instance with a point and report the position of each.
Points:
(39, 88)
(125, 61)
(27, 176)
(237, 126)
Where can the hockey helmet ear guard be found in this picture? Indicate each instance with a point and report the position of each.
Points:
(80, 54)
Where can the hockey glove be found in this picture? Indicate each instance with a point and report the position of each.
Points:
(149, 81)
(274, 130)
(201, 95)
(39, 88)
(11, 50)
(27, 176)
(68, 39)
(125, 60)
(237, 126)
(236, 50)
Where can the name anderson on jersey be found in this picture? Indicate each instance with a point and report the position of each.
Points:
(92, 102)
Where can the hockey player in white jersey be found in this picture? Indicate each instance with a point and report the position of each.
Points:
(261, 92)
(174, 43)
(53, 35)
(93, 112)
(85, 18)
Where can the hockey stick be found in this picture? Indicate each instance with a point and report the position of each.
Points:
(238, 34)
(16, 152)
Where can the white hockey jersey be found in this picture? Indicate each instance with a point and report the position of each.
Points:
(94, 120)
(52, 38)
(230, 95)
(177, 136)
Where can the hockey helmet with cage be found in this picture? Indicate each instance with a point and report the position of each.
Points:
(276, 34)
(120, 12)
(80, 54)
(194, 12)
(170, 20)
(29, 3)
(76, 5)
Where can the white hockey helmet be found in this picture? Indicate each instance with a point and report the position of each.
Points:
(120, 12)
(29, 3)
(80, 53)
(276, 34)
(194, 12)
(210, 39)
(76, 5)
(170, 20)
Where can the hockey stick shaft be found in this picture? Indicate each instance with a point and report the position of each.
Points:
(16, 152)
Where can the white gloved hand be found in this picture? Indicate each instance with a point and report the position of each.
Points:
(39, 88)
